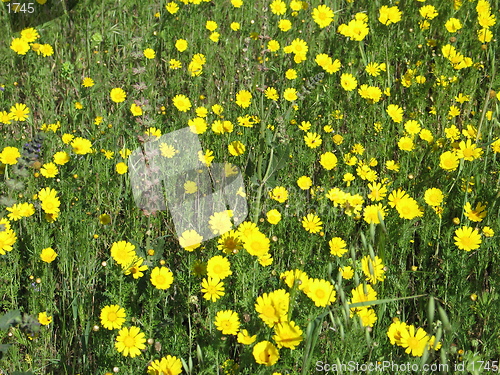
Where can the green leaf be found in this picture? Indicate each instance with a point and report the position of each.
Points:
(199, 354)
(186, 367)
(97, 38)
(269, 137)
(280, 158)
(250, 167)
(4, 348)
(271, 182)
(431, 309)
(10, 318)
(30, 325)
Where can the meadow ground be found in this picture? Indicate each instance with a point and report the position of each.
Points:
(366, 137)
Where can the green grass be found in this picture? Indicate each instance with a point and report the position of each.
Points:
(105, 41)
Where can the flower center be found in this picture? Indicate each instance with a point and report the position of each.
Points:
(129, 342)
(112, 316)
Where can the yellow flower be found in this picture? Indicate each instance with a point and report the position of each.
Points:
(347, 272)
(9, 155)
(477, 214)
(211, 25)
(322, 292)
(44, 319)
(484, 35)
(312, 223)
(273, 307)
(428, 12)
(19, 112)
(284, 25)
(149, 53)
(373, 269)
(278, 7)
(328, 160)
(190, 187)
(87, 82)
(468, 151)
(227, 322)
(236, 148)
(214, 37)
(279, 193)
(312, 140)
(405, 144)
(356, 30)
(371, 213)
(448, 161)
(182, 103)
(338, 246)
(433, 197)
(29, 34)
(290, 94)
(288, 335)
(162, 278)
(181, 45)
(426, 135)
(273, 216)
(121, 168)
(112, 317)
(198, 125)
(414, 342)
(395, 112)
(190, 240)
(412, 127)
(256, 244)
(243, 98)
(172, 7)
(265, 353)
(213, 288)
(135, 109)
(322, 15)
(338, 139)
(49, 170)
(273, 45)
(174, 64)
(48, 255)
(20, 46)
(362, 293)
(118, 95)
(348, 81)
(244, 338)
(453, 25)
(389, 15)
(488, 232)
(130, 342)
(304, 182)
(81, 146)
(408, 208)
(291, 74)
(45, 50)
(467, 238)
(136, 268)
(368, 317)
(219, 267)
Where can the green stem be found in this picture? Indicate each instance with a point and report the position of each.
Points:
(362, 50)
(483, 114)
(438, 236)
(261, 187)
